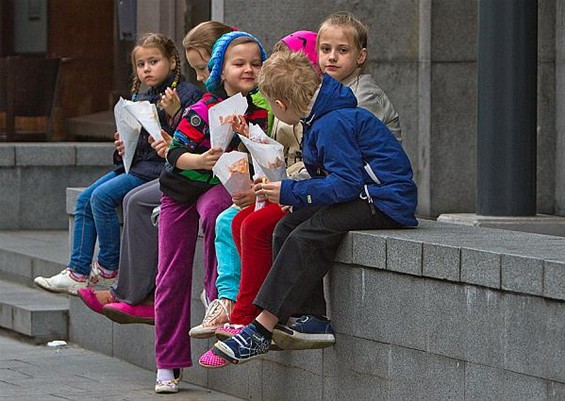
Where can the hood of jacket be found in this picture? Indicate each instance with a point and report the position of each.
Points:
(331, 96)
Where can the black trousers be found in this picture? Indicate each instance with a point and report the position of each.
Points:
(305, 243)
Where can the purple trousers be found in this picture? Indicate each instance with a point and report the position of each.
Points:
(178, 232)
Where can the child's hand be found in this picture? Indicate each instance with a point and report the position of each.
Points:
(209, 158)
(240, 126)
(244, 199)
(161, 146)
(269, 190)
(170, 102)
(237, 122)
(119, 144)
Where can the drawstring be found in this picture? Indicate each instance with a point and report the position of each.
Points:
(366, 196)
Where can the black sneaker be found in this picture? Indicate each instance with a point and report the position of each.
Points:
(243, 347)
(308, 332)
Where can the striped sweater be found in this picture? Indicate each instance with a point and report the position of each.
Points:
(193, 136)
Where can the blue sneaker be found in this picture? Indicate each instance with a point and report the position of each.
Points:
(308, 332)
(243, 347)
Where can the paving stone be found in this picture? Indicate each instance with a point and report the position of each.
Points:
(480, 267)
(369, 250)
(554, 279)
(524, 275)
(442, 262)
(404, 256)
(45, 154)
(7, 155)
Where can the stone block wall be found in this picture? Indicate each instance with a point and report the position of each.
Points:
(435, 313)
(34, 178)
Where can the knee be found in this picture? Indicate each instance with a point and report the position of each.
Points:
(223, 224)
(101, 199)
(83, 200)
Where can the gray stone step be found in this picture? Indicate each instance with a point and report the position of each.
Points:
(27, 254)
(35, 313)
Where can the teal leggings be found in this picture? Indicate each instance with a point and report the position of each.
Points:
(229, 264)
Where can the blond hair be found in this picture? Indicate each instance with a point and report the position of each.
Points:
(289, 77)
(353, 29)
(166, 46)
(203, 36)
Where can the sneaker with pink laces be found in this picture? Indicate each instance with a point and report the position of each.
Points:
(217, 314)
(98, 277)
(211, 360)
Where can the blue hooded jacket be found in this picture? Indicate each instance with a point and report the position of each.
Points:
(350, 153)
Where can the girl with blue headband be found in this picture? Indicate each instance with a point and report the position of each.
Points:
(191, 193)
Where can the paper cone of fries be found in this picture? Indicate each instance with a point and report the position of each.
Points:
(128, 128)
(268, 153)
(146, 114)
(221, 134)
(233, 171)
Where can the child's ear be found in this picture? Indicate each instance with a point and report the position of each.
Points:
(362, 56)
(281, 104)
(173, 63)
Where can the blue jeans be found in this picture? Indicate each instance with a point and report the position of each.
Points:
(95, 215)
(229, 263)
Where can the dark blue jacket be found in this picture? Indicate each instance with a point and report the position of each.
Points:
(147, 164)
(350, 153)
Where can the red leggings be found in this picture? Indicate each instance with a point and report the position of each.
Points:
(253, 235)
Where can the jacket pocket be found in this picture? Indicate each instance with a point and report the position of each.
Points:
(371, 173)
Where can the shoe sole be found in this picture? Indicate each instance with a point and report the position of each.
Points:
(203, 333)
(57, 291)
(223, 350)
(124, 318)
(291, 340)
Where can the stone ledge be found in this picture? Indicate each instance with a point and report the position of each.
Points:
(56, 154)
(540, 224)
(518, 262)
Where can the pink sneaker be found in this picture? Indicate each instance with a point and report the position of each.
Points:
(228, 330)
(121, 312)
(211, 360)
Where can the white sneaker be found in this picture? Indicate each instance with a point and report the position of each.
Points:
(97, 278)
(62, 282)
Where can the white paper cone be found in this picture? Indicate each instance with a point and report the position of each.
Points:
(146, 114)
(128, 128)
(221, 134)
(233, 181)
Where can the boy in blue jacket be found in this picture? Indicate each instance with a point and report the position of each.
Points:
(361, 180)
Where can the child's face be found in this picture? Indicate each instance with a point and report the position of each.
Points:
(281, 111)
(337, 54)
(198, 61)
(242, 64)
(152, 66)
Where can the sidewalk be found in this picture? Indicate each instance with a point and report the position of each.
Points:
(40, 373)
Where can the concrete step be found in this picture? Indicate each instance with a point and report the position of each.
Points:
(28, 254)
(93, 127)
(35, 313)
(24, 308)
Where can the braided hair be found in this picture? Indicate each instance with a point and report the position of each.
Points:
(166, 46)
